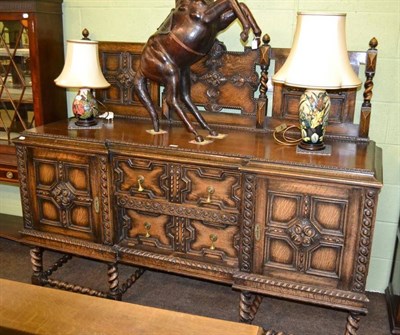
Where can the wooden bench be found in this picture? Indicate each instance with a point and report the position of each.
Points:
(31, 309)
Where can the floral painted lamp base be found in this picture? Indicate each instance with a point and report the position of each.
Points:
(314, 110)
(85, 108)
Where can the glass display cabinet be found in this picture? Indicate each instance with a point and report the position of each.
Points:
(31, 57)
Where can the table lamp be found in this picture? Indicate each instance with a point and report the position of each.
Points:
(82, 70)
(317, 61)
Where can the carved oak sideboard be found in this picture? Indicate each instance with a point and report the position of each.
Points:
(242, 210)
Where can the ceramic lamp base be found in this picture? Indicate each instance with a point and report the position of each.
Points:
(86, 122)
(311, 146)
(85, 108)
(314, 110)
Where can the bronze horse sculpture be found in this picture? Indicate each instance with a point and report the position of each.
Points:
(186, 36)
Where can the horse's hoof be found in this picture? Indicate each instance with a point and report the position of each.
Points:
(213, 133)
(244, 36)
(199, 138)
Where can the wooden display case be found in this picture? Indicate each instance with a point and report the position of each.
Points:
(31, 57)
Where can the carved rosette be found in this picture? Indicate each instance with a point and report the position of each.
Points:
(62, 195)
(248, 219)
(364, 248)
(303, 234)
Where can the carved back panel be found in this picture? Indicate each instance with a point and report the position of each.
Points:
(225, 84)
(231, 88)
(119, 62)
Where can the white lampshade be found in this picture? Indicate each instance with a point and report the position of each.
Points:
(318, 58)
(82, 66)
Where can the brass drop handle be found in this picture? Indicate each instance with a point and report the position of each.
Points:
(147, 226)
(213, 239)
(9, 175)
(210, 191)
(140, 180)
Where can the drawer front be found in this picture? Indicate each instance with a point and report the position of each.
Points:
(8, 174)
(178, 210)
(198, 240)
(211, 187)
(214, 188)
(148, 231)
(308, 233)
(67, 195)
(207, 241)
(141, 177)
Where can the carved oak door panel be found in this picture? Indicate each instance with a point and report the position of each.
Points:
(67, 196)
(308, 233)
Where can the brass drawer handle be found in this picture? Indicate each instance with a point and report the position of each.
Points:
(140, 181)
(9, 175)
(147, 226)
(213, 239)
(210, 191)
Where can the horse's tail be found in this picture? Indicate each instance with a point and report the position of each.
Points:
(140, 85)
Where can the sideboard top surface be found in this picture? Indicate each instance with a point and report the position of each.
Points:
(251, 150)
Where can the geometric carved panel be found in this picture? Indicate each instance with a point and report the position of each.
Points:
(284, 207)
(146, 230)
(281, 252)
(64, 195)
(204, 239)
(305, 232)
(46, 173)
(225, 186)
(329, 214)
(49, 211)
(119, 63)
(141, 177)
(325, 260)
(78, 177)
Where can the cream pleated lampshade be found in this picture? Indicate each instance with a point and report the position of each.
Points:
(318, 57)
(82, 66)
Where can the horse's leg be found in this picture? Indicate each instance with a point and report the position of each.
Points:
(219, 7)
(185, 97)
(172, 98)
(244, 35)
(254, 26)
(140, 85)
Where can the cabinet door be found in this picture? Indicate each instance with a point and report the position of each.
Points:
(307, 232)
(68, 192)
(17, 112)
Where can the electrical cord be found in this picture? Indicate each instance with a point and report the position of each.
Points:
(286, 139)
